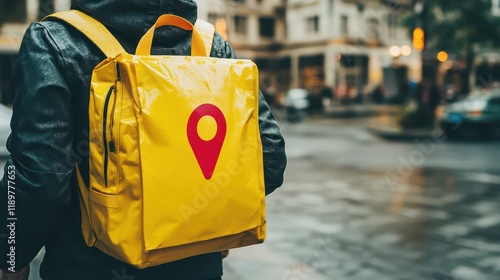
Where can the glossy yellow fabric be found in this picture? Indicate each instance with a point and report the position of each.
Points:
(150, 200)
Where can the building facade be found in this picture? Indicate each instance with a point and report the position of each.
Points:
(257, 30)
(345, 44)
(296, 43)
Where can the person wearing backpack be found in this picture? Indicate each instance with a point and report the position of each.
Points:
(50, 138)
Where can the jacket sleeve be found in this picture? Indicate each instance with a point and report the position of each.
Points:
(34, 191)
(273, 144)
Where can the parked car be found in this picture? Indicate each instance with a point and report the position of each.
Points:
(477, 115)
(296, 104)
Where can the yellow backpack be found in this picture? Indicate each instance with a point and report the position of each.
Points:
(176, 166)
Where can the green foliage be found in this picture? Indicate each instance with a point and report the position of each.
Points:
(458, 25)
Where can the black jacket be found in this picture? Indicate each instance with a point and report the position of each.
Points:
(51, 88)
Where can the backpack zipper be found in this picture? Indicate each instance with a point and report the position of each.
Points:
(111, 146)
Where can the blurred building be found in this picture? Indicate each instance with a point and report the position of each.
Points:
(257, 30)
(15, 17)
(352, 45)
(457, 76)
(495, 7)
(311, 44)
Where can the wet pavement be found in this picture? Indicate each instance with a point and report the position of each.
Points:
(355, 206)
(358, 207)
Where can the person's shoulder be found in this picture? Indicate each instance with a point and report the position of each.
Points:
(63, 41)
(40, 35)
(51, 26)
(49, 31)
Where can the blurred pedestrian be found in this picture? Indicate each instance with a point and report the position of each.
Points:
(50, 136)
(326, 96)
(378, 94)
(428, 99)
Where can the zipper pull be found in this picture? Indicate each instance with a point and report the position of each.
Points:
(112, 147)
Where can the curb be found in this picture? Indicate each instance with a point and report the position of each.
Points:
(360, 111)
(396, 133)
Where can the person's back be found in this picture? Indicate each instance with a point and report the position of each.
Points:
(50, 134)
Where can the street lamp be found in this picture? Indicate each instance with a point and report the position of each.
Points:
(442, 56)
(405, 50)
(395, 51)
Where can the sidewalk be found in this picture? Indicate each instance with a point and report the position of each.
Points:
(261, 262)
(361, 110)
(386, 125)
(382, 120)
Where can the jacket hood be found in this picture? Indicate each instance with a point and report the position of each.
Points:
(135, 17)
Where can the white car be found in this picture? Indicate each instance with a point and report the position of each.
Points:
(296, 104)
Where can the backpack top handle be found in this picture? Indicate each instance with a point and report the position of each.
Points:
(197, 45)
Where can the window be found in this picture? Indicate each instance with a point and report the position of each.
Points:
(212, 18)
(373, 28)
(393, 22)
(313, 24)
(266, 27)
(12, 11)
(240, 25)
(344, 26)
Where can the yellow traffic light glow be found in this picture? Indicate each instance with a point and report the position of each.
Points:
(418, 33)
(442, 56)
(418, 39)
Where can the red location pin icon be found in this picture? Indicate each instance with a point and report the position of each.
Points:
(206, 152)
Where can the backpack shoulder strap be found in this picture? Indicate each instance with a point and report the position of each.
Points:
(93, 29)
(108, 44)
(207, 32)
